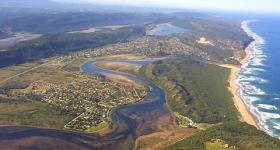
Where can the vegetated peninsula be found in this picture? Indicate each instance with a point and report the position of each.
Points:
(109, 81)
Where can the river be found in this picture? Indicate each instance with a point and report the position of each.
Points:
(128, 122)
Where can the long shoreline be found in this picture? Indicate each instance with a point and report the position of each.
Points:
(246, 115)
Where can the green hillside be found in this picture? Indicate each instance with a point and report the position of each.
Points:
(199, 91)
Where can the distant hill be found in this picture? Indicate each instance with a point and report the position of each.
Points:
(74, 5)
(72, 21)
(64, 43)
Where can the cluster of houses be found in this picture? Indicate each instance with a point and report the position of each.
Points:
(90, 98)
(147, 45)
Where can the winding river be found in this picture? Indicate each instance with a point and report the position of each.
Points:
(128, 122)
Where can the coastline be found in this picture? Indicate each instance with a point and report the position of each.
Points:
(246, 115)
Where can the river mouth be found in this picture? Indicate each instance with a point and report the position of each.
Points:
(128, 122)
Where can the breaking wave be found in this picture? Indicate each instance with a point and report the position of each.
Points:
(249, 80)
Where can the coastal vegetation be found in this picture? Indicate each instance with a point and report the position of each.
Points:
(234, 135)
(226, 46)
(198, 95)
(194, 89)
(211, 26)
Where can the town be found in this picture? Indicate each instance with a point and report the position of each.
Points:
(170, 45)
(89, 97)
(148, 46)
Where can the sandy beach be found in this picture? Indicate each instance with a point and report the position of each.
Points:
(246, 115)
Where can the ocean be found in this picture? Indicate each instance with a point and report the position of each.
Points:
(259, 78)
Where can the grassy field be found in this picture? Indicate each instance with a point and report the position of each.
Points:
(99, 127)
(217, 145)
(75, 65)
(13, 70)
(32, 113)
(119, 66)
(51, 73)
(122, 57)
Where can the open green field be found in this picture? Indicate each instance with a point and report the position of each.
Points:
(75, 65)
(49, 72)
(33, 114)
(13, 70)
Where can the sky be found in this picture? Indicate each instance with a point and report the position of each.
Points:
(235, 5)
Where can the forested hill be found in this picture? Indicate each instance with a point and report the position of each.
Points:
(71, 21)
(64, 43)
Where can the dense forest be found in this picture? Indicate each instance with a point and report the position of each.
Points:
(64, 43)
